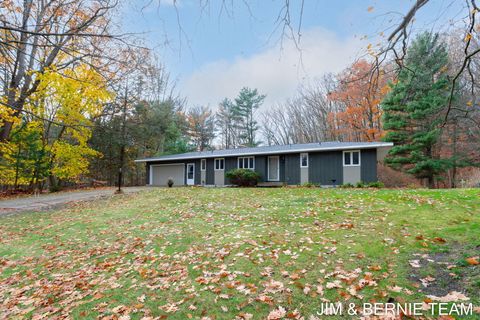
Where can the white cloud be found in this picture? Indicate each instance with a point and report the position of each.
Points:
(274, 72)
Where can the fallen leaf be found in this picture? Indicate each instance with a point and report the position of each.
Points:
(451, 297)
(473, 261)
(276, 314)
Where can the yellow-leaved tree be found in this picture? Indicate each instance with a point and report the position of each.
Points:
(50, 139)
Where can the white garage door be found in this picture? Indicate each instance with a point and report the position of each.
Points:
(160, 174)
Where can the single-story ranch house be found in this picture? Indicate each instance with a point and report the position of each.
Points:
(325, 163)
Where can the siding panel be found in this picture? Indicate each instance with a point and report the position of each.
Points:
(325, 166)
(230, 163)
(369, 165)
(210, 173)
(292, 168)
(261, 167)
(198, 179)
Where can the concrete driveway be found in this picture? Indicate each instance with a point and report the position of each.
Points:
(55, 200)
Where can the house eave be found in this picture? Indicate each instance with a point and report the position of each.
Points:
(205, 156)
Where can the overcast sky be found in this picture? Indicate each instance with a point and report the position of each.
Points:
(214, 51)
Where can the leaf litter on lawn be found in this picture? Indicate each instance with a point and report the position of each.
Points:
(201, 253)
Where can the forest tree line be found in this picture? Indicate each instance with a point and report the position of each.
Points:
(80, 102)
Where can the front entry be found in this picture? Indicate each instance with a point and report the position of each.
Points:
(274, 168)
(190, 174)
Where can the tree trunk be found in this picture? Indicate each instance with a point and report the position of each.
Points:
(431, 182)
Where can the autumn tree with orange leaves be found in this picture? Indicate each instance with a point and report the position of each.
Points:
(359, 96)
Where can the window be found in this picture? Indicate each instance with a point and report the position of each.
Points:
(219, 164)
(203, 164)
(246, 163)
(303, 160)
(351, 158)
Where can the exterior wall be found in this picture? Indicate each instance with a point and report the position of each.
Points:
(323, 167)
(230, 163)
(219, 177)
(303, 175)
(203, 177)
(198, 179)
(210, 172)
(292, 168)
(369, 165)
(352, 174)
(261, 167)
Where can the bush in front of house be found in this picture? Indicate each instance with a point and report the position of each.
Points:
(309, 185)
(361, 184)
(243, 177)
(376, 184)
(347, 185)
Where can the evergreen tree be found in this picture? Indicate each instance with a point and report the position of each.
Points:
(413, 109)
(225, 119)
(247, 102)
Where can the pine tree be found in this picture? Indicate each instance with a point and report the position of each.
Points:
(246, 103)
(225, 123)
(413, 109)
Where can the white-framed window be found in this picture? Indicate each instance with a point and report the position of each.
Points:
(203, 164)
(219, 164)
(246, 163)
(351, 158)
(303, 160)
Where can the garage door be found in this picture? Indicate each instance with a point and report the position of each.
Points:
(161, 173)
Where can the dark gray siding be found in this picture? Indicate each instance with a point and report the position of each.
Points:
(230, 163)
(323, 167)
(261, 167)
(197, 171)
(292, 168)
(147, 173)
(282, 167)
(210, 174)
(368, 165)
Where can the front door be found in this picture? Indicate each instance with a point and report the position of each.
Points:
(190, 174)
(274, 168)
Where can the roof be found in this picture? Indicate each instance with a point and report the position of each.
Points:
(265, 150)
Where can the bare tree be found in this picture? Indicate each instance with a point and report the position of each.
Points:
(201, 127)
(304, 118)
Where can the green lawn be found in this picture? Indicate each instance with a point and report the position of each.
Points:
(221, 253)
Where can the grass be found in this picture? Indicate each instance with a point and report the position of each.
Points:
(224, 253)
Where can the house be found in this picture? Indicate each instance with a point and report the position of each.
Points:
(325, 163)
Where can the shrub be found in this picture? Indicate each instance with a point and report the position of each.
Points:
(170, 182)
(360, 184)
(309, 185)
(347, 185)
(376, 184)
(243, 177)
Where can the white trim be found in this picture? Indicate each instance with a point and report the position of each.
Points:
(186, 172)
(150, 172)
(247, 157)
(240, 154)
(201, 164)
(278, 168)
(214, 164)
(308, 160)
(351, 158)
